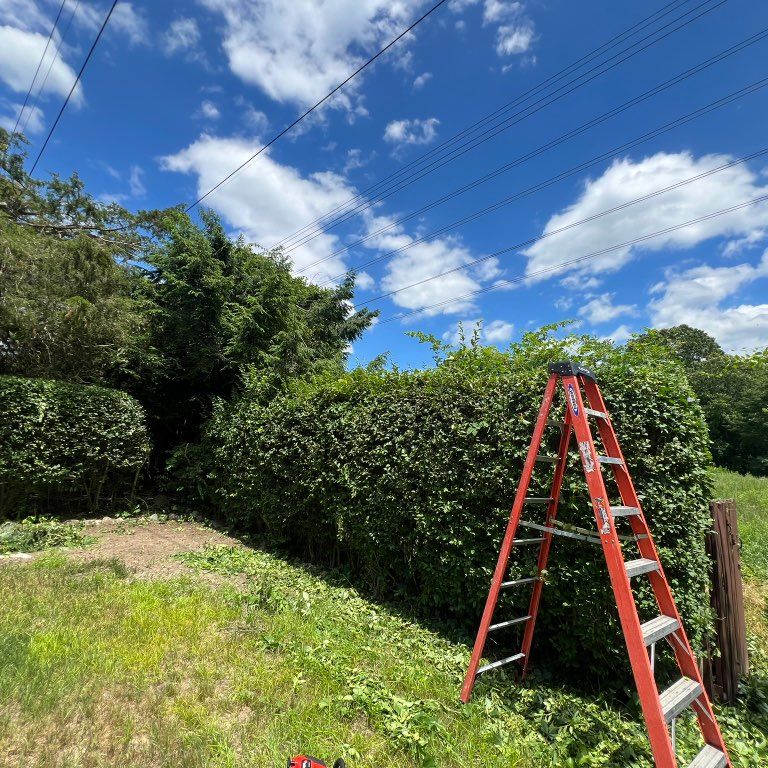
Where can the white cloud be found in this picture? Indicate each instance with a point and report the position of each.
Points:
(424, 260)
(136, 182)
(125, 20)
(266, 200)
(495, 332)
(209, 111)
(20, 53)
(422, 80)
(602, 310)
(131, 23)
(33, 117)
(256, 119)
(750, 240)
(411, 131)
(626, 180)
(695, 296)
(516, 32)
(619, 335)
(298, 50)
(181, 36)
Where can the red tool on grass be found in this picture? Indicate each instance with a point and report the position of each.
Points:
(305, 761)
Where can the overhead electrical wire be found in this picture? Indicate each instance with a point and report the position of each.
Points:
(316, 105)
(39, 64)
(569, 262)
(504, 125)
(540, 150)
(55, 56)
(487, 118)
(580, 222)
(74, 85)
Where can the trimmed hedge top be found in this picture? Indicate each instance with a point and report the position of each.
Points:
(62, 443)
(409, 477)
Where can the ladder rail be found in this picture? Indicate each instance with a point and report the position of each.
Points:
(639, 660)
(543, 559)
(509, 536)
(684, 656)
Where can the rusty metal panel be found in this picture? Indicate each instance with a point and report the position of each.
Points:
(727, 659)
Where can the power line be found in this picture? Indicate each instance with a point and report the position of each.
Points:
(55, 56)
(39, 64)
(74, 85)
(317, 104)
(521, 97)
(577, 260)
(580, 222)
(498, 171)
(553, 143)
(504, 125)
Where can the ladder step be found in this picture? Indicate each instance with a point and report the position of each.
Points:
(596, 414)
(549, 459)
(620, 511)
(500, 663)
(609, 460)
(518, 582)
(658, 628)
(517, 542)
(538, 499)
(509, 623)
(638, 567)
(678, 696)
(709, 757)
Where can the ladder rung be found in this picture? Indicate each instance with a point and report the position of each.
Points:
(658, 628)
(509, 623)
(517, 542)
(678, 696)
(549, 459)
(538, 499)
(596, 414)
(641, 566)
(620, 511)
(709, 757)
(609, 460)
(518, 582)
(500, 663)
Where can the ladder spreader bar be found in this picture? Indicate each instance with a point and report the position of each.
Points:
(609, 460)
(596, 414)
(550, 459)
(557, 532)
(509, 623)
(620, 511)
(500, 663)
(517, 582)
(538, 499)
(517, 542)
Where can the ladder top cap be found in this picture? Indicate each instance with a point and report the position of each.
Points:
(570, 368)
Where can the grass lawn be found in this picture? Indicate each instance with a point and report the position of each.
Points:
(99, 668)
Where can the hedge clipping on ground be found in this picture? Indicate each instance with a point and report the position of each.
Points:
(66, 446)
(408, 478)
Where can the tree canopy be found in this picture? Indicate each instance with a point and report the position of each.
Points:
(173, 310)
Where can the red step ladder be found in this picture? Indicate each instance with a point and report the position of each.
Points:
(583, 402)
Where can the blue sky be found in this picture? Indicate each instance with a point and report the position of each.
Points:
(178, 94)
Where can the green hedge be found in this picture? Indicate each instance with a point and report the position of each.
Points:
(66, 446)
(409, 476)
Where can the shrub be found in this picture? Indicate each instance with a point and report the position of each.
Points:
(66, 446)
(409, 476)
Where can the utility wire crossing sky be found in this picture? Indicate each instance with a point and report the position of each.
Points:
(510, 163)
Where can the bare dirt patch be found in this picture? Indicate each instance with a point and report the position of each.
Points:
(146, 547)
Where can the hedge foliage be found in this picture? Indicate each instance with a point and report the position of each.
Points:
(409, 476)
(66, 445)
